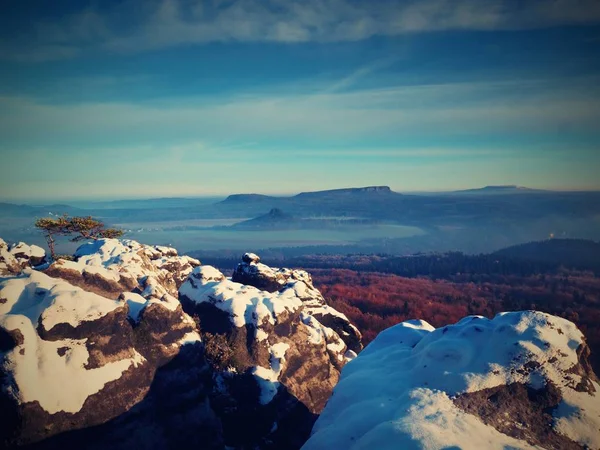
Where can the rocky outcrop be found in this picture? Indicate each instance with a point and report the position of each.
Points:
(80, 348)
(98, 352)
(112, 266)
(14, 258)
(521, 380)
(252, 272)
(276, 362)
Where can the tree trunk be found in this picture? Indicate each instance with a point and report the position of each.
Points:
(50, 241)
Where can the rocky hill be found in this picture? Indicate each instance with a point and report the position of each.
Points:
(134, 346)
(521, 380)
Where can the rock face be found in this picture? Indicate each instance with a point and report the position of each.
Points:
(252, 272)
(98, 351)
(521, 380)
(111, 266)
(14, 258)
(79, 348)
(278, 361)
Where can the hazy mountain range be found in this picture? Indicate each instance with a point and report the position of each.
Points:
(371, 218)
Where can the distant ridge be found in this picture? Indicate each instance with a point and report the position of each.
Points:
(255, 198)
(360, 190)
(247, 198)
(581, 253)
(498, 189)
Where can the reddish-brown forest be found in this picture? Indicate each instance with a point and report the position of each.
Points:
(375, 301)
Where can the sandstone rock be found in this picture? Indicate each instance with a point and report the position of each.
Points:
(276, 362)
(73, 359)
(253, 273)
(14, 258)
(99, 353)
(112, 266)
(521, 380)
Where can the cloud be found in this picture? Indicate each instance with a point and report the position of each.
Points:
(159, 24)
(336, 118)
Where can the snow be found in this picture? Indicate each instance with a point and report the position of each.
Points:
(261, 335)
(114, 258)
(570, 421)
(319, 332)
(397, 392)
(28, 250)
(7, 259)
(36, 295)
(267, 377)
(244, 304)
(251, 257)
(136, 304)
(327, 310)
(39, 372)
(82, 268)
(190, 338)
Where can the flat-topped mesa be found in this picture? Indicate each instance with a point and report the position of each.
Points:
(520, 380)
(78, 348)
(266, 335)
(359, 190)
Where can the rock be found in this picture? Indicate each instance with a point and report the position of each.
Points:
(276, 363)
(72, 358)
(521, 380)
(99, 353)
(15, 258)
(112, 266)
(175, 413)
(28, 255)
(253, 273)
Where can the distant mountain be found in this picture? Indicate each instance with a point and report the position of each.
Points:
(274, 218)
(348, 191)
(277, 219)
(579, 253)
(12, 210)
(17, 210)
(502, 189)
(247, 198)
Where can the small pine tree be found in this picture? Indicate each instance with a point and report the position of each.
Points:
(82, 227)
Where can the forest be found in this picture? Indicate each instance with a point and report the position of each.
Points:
(375, 301)
(378, 291)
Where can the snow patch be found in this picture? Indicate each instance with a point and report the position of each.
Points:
(38, 296)
(267, 378)
(53, 372)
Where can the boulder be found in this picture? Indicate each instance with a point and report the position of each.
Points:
(72, 358)
(520, 380)
(111, 266)
(16, 257)
(253, 273)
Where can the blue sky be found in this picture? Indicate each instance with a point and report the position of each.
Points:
(151, 98)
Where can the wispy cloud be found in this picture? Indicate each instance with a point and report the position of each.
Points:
(164, 23)
(396, 114)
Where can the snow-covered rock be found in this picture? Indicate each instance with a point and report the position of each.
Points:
(16, 257)
(267, 342)
(521, 380)
(111, 266)
(78, 353)
(272, 279)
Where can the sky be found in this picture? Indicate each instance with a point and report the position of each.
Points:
(160, 98)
